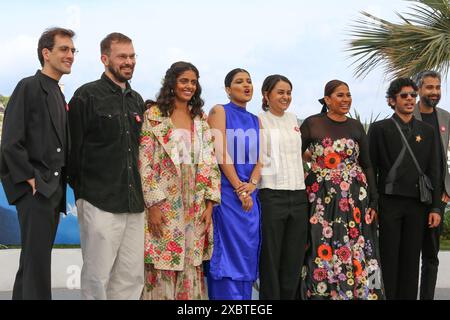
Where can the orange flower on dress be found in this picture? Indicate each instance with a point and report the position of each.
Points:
(357, 215)
(325, 252)
(358, 268)
(332, 160)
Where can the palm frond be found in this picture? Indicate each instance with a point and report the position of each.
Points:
(421, 41)
(366, 124)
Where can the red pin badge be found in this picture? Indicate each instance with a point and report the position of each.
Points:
(443, 128)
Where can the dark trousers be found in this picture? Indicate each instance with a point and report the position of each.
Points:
(430, 260)
(38, 221)
(401, 232)
(284, 235)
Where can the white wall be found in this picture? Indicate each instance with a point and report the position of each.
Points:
(66, 268)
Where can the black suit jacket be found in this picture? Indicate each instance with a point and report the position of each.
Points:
(385, 144)
(443, 117)
(32, 144)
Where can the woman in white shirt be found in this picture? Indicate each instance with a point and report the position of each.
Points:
(282, 194)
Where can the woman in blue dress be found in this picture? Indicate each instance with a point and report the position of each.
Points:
(234, 264)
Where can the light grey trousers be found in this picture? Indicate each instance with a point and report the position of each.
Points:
(112, 247)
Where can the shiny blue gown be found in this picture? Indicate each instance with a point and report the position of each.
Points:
(237, 235)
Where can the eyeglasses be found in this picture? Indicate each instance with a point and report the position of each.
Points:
(124, 57)
(66, 49)
(405, 95)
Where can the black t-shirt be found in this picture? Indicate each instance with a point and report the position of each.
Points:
(431, 119)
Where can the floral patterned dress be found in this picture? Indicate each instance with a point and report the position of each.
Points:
(179, 174)
(342, 259)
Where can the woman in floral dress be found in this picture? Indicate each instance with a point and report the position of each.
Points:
(342, 259)
(181, 183)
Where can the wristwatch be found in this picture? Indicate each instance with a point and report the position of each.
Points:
(254, 182)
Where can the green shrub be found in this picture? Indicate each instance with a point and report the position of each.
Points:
(446, 226)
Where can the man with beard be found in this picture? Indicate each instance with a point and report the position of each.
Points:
(34, 153)
(401, 212)
(429, 83)
(105, 121)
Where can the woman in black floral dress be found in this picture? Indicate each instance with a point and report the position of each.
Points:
(342, 260)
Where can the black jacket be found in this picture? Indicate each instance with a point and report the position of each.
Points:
(105, 126)
(385, 144)
(33, 145)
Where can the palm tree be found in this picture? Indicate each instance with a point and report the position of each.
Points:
(420, 42)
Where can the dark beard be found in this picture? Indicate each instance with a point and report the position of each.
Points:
(117, 75)
(428, 102)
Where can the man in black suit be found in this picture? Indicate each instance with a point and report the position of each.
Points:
(429, 83)
(402, 214)
(34, 151)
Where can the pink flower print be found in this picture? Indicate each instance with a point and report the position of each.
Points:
(337, 269)
(145, 139)
(344, 254)
(320, 274)
(151, 249)
(336, 178)
(172, 246)
(167, 136)
(327, 151)
(350, 144)
(361, 242)
(166, 257)
(315, 187)
(327, 142)
(312, 197)
(327, 233)
(344, 186)
(314, 220)
(183, 296)
(343, 205)
(203, 179)
(353, 233)
(151, 279)
(166, 163)
(321, 162)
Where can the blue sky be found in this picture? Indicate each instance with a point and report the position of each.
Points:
(303, 40)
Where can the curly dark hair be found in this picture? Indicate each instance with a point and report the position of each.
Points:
(396, 86)
(166, 97)
(269, 84)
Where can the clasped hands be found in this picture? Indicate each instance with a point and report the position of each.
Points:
(244, 192)
(156, 219)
